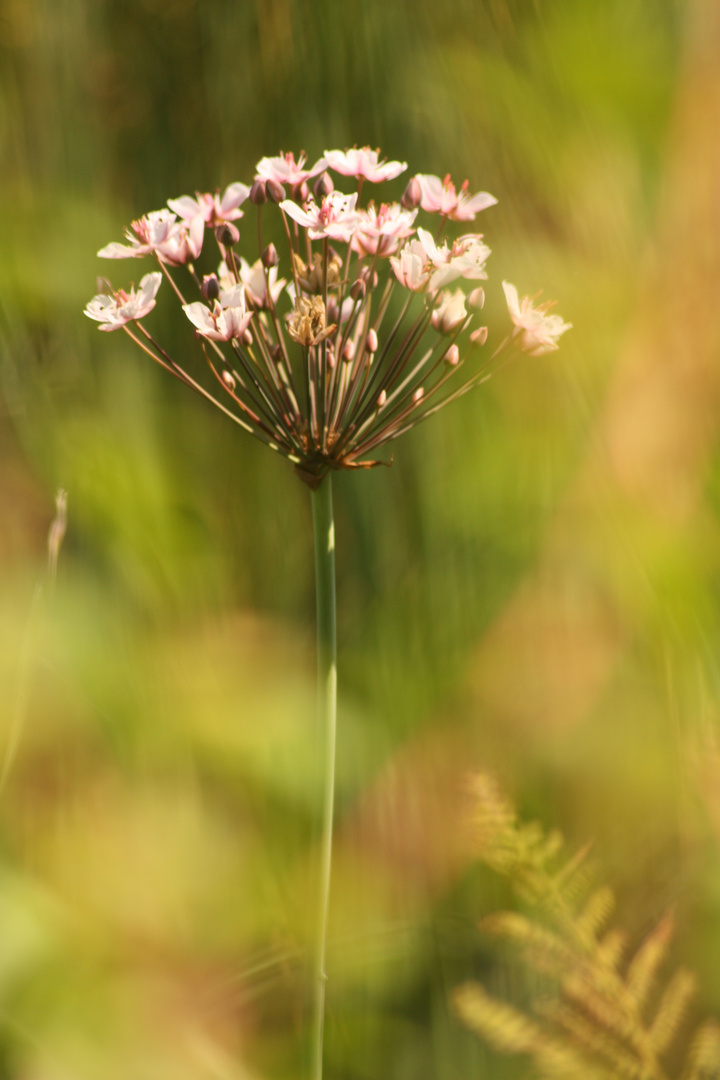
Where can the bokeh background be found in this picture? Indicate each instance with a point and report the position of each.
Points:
(533, 588)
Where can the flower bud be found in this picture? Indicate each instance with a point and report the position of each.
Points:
(476, 299)
(275, 191)
(227, 234)
(371, 341)
(276, 353)
(418, 395)
(210, 287)
(270, 256)
(479, 336)
(452, 356)
(301, 193)
(258, 193)
(247, 338)
(369, 276)
(382, 398)
(229, 380)
(348, 351)
(412, 194)
(323, 185)
(358, 289)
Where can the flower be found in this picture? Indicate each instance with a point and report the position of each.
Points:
(120, 308)
(335, 217)
(363, 163)
(256, 283)
(422, 262)
(469, 255)
(285, 170)
(380, 231)
(335, 367)
(228, 318)
(450, 312)
(537, 331)
(306, 325)
(466, 258)
(212, 209)
(161, 234)
(439, 197)
(411, 267)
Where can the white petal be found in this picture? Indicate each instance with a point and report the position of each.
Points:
(122, 251)
(101, 307)
(149, 286)
(513, 302)
(297, 213)
(185, 207)
(233, 196)
(200, 317)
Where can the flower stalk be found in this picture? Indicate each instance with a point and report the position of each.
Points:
(324, 533)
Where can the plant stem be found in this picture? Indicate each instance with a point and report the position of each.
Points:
(324, 530)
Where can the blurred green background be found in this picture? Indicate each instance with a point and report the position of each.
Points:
(533, 588)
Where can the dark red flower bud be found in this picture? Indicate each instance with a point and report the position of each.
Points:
(227, 234)
(323, 185)
(270, 256)
(412, 195)
(210, 287)
(275, 191)
(258, 193)
(358, 289)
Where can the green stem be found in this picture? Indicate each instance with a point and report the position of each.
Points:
(324, 529)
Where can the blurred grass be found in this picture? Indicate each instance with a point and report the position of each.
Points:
(532, 586)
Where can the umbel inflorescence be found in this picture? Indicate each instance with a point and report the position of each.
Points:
(326, 363)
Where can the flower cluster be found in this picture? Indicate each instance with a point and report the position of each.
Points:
(361, 337)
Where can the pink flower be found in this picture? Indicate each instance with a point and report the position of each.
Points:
(228, 318)
(363, 163)
(335, 218)
(470, 254)
(213, 209)
(466, 258)
(450, 312)
(538, 332)
(285, 170)
(439, 197)
(160, 234)
(411, 267)
(380, 230)
(255, 282)
(120, 308)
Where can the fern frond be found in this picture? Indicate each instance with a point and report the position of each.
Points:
(511, 1031)
(594, 916)
(643, 969)
(504, 1027)
(597, 1025)
(575, 877)
(596, 1041)
(611, 949)
(671, 1010)
(558, 1061)
(544, 948)
(703, 1061)
(586, 990)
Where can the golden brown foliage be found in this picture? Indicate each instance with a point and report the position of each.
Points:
(593, 1014)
